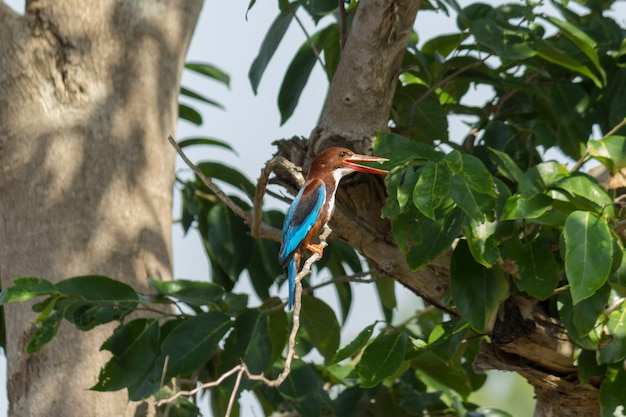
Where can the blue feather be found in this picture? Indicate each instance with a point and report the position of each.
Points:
(300, 218)
(292, 271)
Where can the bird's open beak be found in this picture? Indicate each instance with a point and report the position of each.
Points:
(350, 161)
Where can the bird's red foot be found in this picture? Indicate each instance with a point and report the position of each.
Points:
(315, 249)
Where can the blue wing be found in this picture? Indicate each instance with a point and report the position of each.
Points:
(301, 216)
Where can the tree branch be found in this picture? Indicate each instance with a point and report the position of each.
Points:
(270, 166)
(260, 230)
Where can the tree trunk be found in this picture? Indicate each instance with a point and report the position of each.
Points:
(88, 95)
(358, 106)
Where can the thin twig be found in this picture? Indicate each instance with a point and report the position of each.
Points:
(264, 230)
(308, 38)
(242, 368)
(233, 395)
(279, 197)
(208, 182)
(615, 305)
(616, 128)
(206, 385)
(584, 157)
(257, 202)
(346, 278)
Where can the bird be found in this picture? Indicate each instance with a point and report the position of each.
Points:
(313, 206)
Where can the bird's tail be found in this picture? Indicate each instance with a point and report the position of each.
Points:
(292, 271)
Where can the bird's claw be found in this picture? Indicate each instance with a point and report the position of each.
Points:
(316, 249)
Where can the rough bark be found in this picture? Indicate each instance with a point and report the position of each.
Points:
(88, 95)
(358, 105)
(526, 341)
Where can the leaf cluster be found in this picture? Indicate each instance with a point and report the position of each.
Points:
(516, 224)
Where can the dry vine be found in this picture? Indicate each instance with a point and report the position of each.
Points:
(258, 230)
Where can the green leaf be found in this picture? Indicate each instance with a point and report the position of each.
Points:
(45, 307)
(191, 115)
(319, 8)
(321, 324)
(588, 366)
(581, 318)
(552, 54)
(472, 171)
(249, 343)
(386, 289)
(351, 402)
(446, 339)
(611, 151)
(234, 303)
(518, 207)
(278, 330)
(615, 351)
(337, 255)
(296, 77)
(590, 193)
(618, 277)
(382, 358)
(331, 45)
(96, 300)
(471, 185)
(197, 96)
(507, 167)
(190, 344)
(205, 142)
(454, 378)
(270, 44)
(444, 44)
(354, 347)
(45, 332)
(227, 240)
(263, 268)
(508, 44)
(430, 118)
(612, 391)
(588, 247)
(476, 290)
(480, 236)
(427, 239)
(547, 173)
(134, 347)
(228, 174)
(210, 71)
(304, 391)
(538, 272)
(583, 41)
(406, 182)
(400, 149)
(432, 188)
(25, 289)
(195, 293)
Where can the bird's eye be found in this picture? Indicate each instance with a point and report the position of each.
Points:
(342, 154)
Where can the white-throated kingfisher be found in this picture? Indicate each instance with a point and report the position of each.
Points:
(313, 207)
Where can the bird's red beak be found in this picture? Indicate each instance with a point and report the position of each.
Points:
(350, 161)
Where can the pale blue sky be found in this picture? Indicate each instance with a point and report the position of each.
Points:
(250, 123)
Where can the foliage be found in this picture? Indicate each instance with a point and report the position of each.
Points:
(523, 226)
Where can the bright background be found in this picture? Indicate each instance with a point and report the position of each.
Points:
(225, 38)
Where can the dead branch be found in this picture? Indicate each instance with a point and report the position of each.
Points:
(261, 230)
